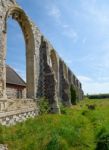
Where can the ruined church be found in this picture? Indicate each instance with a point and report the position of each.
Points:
(47, 75)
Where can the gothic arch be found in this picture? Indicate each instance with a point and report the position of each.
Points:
(26, 26)
(41, 59)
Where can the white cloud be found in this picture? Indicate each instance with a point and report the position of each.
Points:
(106, 78)
(96, 13)
(92, 86)
(84, 78)
(65, 26)
(54, 11)
(84, 40)
(96, 87)
(68, 61)
(70, 33)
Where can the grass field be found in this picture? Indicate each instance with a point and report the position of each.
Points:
(82, 127)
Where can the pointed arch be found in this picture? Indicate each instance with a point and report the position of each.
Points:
(27, 29)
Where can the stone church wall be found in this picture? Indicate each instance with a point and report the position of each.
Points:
(47, 74)
(13, 111)
(11, 118)
(13, 92)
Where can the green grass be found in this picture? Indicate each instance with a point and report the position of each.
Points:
(79, 128)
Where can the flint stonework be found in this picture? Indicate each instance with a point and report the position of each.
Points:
(46, 73)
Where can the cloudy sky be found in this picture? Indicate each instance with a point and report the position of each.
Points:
(78, 30)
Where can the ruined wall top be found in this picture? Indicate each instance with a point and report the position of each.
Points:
(33, 36)
(6, 3)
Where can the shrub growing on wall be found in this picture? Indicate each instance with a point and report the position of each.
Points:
(43, 105)
(63, 109)
(73, 95)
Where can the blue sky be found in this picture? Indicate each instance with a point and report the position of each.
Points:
(78, 30)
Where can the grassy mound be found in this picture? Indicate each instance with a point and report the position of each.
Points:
(82, 127)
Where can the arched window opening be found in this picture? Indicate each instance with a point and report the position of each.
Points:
(27, 28)
(15, 61)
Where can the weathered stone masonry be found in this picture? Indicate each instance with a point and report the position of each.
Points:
(14, 111)
(47, 74)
